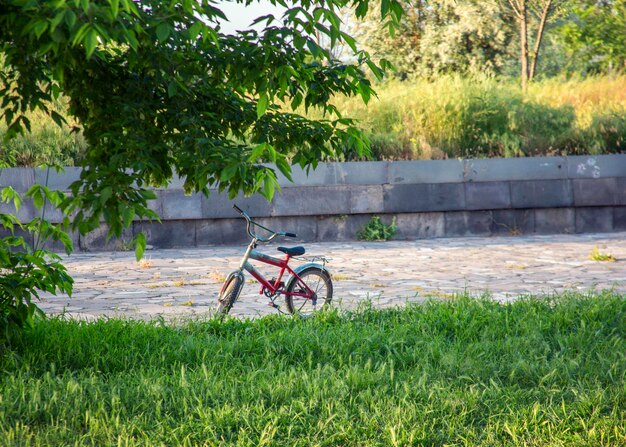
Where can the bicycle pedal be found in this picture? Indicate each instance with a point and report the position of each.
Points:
(273, 304)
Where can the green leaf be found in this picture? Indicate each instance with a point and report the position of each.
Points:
(105, 194)
(284, 168)
(132, 39)
(67, 242)
(9, 194)
(91, 40)
(57, 118)
(361, 10)
(268, 187)
(375, 69)
(163, 32)
(70, 18)
(384, 7)
(299, 42)
(396, 10)
(228, 172)
(140, 246)
(148, 194)
(195, 29)
(296, 101)
(40, 27)
(271, 153)
(34, 192)
(56, 20)
(172, 88)
(313, 48)
(128, 213)
(115, 7)
(261, 105)
(257, 152)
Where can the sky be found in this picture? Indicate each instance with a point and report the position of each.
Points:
(240, 16)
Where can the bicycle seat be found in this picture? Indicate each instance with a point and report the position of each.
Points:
(292, 251)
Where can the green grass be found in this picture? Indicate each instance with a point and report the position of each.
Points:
(540, 372)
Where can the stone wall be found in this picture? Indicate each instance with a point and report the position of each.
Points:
(429, 199)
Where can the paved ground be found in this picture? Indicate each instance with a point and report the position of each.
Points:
(185, 282)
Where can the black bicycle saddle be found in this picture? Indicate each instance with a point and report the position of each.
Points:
(292, 251)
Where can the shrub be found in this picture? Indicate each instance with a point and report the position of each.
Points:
(376, 230)
(26, 268)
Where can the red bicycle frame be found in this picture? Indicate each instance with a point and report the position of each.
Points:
(282, 264)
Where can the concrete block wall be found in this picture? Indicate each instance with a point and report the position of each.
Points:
(428, 199)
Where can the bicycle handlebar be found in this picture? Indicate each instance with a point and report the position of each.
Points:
(253, 235)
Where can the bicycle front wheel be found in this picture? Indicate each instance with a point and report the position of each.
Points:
(229, 294)
(312, 279)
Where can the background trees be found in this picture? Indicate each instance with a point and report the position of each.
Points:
(595, 36)
(441, 37)
(521, 38)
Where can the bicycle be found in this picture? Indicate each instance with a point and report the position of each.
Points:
(308, 289)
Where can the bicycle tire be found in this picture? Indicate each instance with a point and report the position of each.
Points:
(317, 280)
(231, 290)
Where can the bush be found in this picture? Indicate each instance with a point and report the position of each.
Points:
(26, 267)
(376, 230)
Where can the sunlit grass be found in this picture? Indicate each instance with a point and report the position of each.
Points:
(447, 117)
(453, 117)
(46, 143)
(540, 371)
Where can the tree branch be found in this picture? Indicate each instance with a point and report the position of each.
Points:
(542, 25)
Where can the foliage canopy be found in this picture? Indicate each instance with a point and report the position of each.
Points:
(160, 91)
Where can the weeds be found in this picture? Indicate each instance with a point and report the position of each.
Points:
(340, 277)
(376, 230)
(596, 255)
(217, 277)
(145, 263)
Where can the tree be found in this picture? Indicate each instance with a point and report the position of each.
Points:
(158, 91)
(439, 37)
(595, 35)
(527, 12)
(401, 44)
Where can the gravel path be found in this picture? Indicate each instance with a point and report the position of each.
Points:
(185, 282)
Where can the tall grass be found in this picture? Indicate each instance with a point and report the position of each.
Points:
(45, 144)
(455, 117)
(546, 371)
(448, 117)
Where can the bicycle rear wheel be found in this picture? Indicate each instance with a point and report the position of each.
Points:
(318, 281)
(229, 294)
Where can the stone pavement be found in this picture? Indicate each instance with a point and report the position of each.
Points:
(185, 282)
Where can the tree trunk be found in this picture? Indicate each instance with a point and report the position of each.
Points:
(523, 27)
(542, 26)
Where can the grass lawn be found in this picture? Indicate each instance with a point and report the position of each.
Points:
(543, 371)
